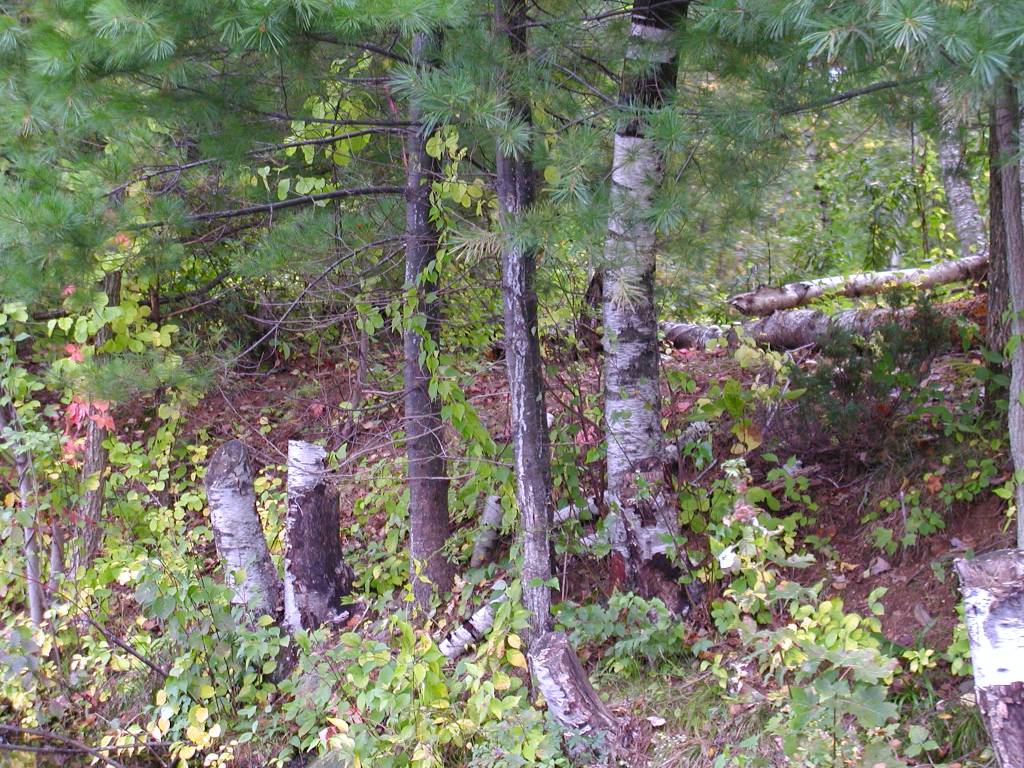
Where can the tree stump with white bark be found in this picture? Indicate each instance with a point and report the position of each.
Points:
(316, 577)
(993, 592)
(591, 729)
(237, 531)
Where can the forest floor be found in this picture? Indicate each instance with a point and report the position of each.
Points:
(309, 399)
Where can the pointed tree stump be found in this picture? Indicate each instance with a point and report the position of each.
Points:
(316, 577)
(591, 729)
(993, 590)
(237, 531)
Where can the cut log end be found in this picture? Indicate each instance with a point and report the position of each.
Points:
(570, 698)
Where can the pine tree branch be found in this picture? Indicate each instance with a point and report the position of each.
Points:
(252, 210)
(378, 49)
(322, 140)
(845, 96)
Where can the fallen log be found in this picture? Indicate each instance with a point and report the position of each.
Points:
(767, 299)
(993, 592)
(795, 328)
(788, 329)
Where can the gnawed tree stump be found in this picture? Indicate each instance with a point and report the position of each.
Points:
(316, 577)
(993, 591)
(237, 531)
(572, 701)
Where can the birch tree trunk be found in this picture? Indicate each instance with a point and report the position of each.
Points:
(969, 226)
(993, 591)
(527, 412)
(632, 396)
(28, 500)
(1006, 125)
(94, 458)
(316, 577)
(429, 524)
(768, 299)
(238, 533)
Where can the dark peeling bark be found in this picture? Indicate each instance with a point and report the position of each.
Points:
(316, 577)
(429, 524)
(993, 592)
(528, 415)
(94, 459)
(1006, 125)
(632, 397)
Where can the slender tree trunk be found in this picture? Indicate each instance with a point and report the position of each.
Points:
(94, 460)
(632, 396)
(28, 500)
(238, 533)
(1007, 122)
(968, 223)
(993, 590)
(522, 347)
(429, 525)
(997, 331)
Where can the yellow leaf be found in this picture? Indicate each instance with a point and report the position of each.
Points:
(198, 715)
(186, 752)
(206, 691)
(163, 724)
(338, 723)
(214, 731)
(11, 499)
(514, 641)
(516, 659)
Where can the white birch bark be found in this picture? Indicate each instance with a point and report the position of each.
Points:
(487, 535)
(963, 210)
(993, 592)
(786, 329)
(570, 698)
(28, 500)
(768, 299)
(470, 632)
(238, 533)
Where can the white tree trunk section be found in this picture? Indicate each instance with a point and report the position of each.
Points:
(792, 328)
(768, 299)
(487, 535)
(993, 592)
(315, 574)
(967, 221)
(570, 698)
(237, 531)
(470, 632)
(27, 498)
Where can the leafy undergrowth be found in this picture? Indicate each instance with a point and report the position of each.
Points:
(826, 633)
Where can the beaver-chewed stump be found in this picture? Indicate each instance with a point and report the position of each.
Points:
(993, 590)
